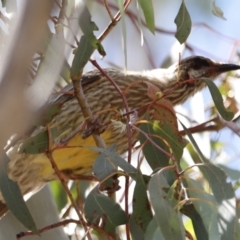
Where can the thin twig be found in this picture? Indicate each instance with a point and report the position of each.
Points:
(151, 141)
(104, 34)
(47, 228)
(114, 22)
(108, 10)
(69, 25)
(128, 133)
(87, 112)
(133, 16)
(59, 174)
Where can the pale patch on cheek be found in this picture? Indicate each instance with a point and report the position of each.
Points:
(196, 73)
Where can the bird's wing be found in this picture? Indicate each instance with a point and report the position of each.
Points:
(66, 93)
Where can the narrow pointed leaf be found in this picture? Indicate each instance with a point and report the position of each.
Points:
(176, 142)
(147, 7)
(115, 159)
(155, 157)
(197, 221)
(141, 206)
(184, 24)
(104, 166)
(218, 100)
(153, 231)
(35, 145)
(99, 206)
(224, 196)
(217, 11)
(13, 197)
(88, 27)
(164, 213)
(135, 230)
(234, 174)
(38, 143)
(200, 154)
(82, 55)
(205, 205)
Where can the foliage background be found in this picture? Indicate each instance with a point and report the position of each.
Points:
(211, 37)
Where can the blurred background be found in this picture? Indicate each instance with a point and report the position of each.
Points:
(211, 37)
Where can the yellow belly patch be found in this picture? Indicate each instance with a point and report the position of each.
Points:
(75, 155)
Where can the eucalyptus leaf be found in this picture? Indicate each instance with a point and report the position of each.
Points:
(184, 23)
(115, 159)
(88, 27)
(141, 206)
(218, 100)
(147, 7)
(82, 55)
(99, 206)
(165, 214)
(13, 197)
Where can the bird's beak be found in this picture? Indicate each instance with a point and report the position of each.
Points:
(225, 67)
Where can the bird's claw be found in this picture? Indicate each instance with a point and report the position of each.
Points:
(94, 127)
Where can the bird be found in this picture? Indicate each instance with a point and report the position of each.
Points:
(176, 83)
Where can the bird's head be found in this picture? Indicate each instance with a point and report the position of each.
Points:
(188, 70)
(199, 67)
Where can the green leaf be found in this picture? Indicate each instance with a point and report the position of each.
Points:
(88, 27)
(197, 221)
(200, 154)
(218, 100)
(184, 24)
(13, 197)
(99, 206)
(225, 197)
(135, 230)
(205, 205)
(35, 145)
(104, 166)
(148, 12)
(217, 11)
(217, 180)
(115, 159)
(153, 231)
(234, 174)
(40, 142)
(176, 142)
(169, 221)
(172, 196)
(141, 207)
(82, 55)
(155, 157)
(160, 136)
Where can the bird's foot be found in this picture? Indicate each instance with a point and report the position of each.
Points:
(94, 127)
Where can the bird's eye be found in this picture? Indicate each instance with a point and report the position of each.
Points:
(201, 63)
(197, 65)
